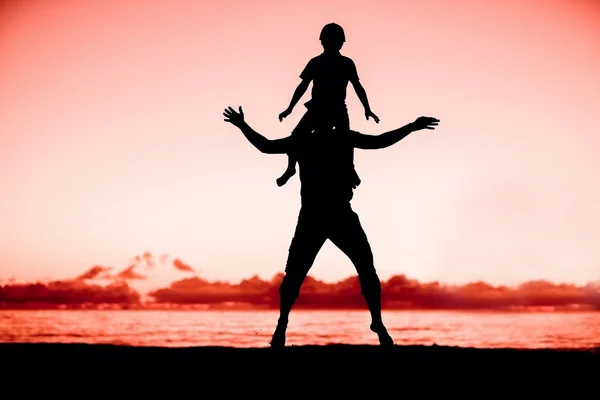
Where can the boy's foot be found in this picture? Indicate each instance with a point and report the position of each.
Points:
(282, 180)
(278, 339)
(385, 339)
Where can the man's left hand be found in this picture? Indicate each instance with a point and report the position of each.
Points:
(234, 117)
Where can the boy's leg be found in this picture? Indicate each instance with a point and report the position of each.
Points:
(308, 239)
(289, 172)
(304, 126)
(349, 236)
(344, 122)
(355, 178)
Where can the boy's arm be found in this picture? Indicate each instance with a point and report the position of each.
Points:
(374, 142)
(307, 77)
(361, 93)
(298, 93)
(264, 145)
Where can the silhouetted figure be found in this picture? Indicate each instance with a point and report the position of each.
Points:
(325, 161)
(330, 73)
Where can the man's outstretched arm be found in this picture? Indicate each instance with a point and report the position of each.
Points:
(264, 145)
(373, 142)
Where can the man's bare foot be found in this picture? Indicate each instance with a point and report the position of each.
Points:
(278, 339)
(385, 339)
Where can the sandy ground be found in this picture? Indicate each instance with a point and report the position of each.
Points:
(316, 371)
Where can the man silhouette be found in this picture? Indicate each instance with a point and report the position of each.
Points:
(326, 176)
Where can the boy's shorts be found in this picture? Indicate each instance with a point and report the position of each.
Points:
(309, 120)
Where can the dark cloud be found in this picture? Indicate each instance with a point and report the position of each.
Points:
(399, 292)
(67, 293)
(76, 292)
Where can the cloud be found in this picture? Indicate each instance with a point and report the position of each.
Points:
(96, 272)
(79, 291)
(129, 273)
(164, 259)
(82, 292)
(399, 292)
(99, 272)
(148, 260)
(253, 291)
(181, 266)
(69, 293)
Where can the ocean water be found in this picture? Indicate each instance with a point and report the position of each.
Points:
(254, 328)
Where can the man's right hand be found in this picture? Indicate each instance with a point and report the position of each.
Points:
(425, 123)
(234, 117)
(284, 114)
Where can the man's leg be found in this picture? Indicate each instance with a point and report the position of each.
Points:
(308, 239)
(349, 236)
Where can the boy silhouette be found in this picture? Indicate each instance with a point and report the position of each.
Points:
(330, 73)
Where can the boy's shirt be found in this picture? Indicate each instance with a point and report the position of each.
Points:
(330, 74)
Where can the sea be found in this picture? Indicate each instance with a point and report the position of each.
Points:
(254, 328)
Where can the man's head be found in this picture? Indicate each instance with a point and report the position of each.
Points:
(326, 123)
(332, 37)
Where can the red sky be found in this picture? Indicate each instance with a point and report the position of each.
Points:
(112, 140)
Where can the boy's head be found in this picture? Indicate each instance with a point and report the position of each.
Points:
(332, 37)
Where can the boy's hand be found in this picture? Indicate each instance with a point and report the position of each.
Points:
(233, 117)
(425, 123)
(284, 114)
(369, 113)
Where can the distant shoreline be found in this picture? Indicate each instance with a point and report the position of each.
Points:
(337, 347)
(236, 308)
(78, 350)
(124, 346)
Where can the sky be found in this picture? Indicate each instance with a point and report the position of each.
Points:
(112, 139)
